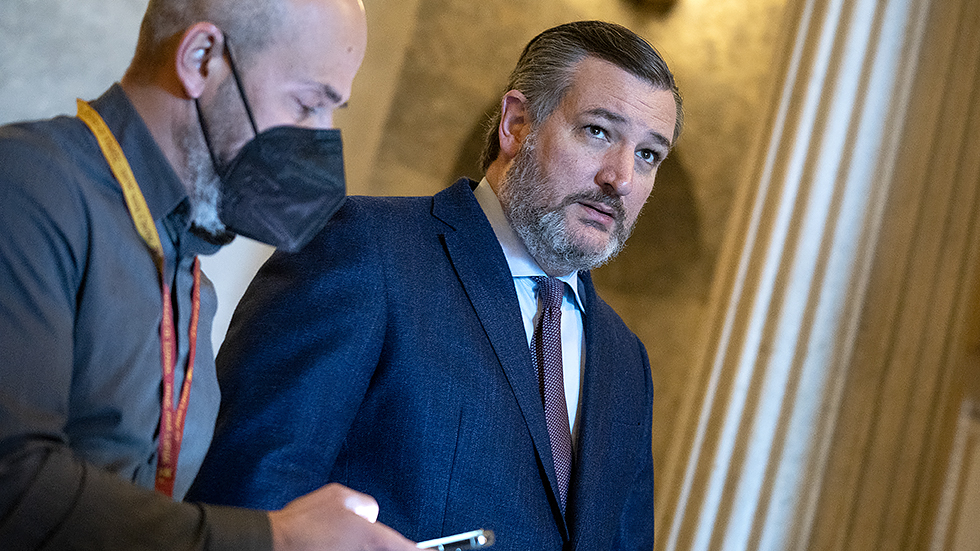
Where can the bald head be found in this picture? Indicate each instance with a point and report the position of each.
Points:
(249, 25)
(295, 61)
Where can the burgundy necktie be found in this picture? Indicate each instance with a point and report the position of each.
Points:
(546, 351)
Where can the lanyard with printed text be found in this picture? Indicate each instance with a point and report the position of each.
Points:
(171, 418)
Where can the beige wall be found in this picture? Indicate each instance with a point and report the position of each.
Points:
(52, 52)
(972, 352)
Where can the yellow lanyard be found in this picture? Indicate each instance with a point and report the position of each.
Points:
(171, 418)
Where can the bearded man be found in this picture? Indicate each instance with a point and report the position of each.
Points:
(449, 354)
(222, 125)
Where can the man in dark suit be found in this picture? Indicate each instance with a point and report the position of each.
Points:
(404, 353)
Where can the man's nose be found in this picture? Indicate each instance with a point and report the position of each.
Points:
(616, 172)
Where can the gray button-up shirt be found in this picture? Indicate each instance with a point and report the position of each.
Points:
(80, 312)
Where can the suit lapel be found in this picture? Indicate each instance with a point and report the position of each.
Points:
(593, 445)
(479, 262)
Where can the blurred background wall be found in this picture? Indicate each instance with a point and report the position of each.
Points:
(433, 70)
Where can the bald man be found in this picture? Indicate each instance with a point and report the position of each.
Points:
(108, 394)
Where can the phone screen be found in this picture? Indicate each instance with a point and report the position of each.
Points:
(476, 539)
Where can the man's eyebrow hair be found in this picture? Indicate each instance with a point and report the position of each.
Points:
(332, 94)
(617, 118)
(661, 139)
(606, 114)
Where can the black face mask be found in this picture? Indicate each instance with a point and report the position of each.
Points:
(284, 185)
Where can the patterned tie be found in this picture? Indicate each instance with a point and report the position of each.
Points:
(546, 351)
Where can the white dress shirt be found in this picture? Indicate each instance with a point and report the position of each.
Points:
(523, 267)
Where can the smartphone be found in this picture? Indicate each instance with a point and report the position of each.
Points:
(477, 539)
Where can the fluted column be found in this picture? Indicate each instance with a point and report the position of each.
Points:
(825, 400)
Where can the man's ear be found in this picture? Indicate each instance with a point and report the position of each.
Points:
(515, 123)
(199, 53)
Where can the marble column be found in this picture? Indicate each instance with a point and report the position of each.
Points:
(821, 413)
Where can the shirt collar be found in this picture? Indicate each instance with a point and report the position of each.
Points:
(159, 183)
(519, 260)
(165, 194)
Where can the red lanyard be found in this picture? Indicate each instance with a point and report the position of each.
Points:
(171, 417)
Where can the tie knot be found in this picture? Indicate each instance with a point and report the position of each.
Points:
(550, 290)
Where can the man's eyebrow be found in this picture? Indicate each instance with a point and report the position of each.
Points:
(606, 114)
(660, 139)
(619, 119)
(333, 95)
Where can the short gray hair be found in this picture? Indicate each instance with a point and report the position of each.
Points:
(249, 25)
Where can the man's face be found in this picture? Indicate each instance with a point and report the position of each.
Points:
(299, 79)
(576, 188)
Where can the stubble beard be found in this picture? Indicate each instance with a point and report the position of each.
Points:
(527, 203)
(204, 182)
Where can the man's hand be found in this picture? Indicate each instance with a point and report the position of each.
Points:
(333, 518)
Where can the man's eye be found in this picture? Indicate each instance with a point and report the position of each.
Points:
(307, 110)
(648, 156)
(595, 131)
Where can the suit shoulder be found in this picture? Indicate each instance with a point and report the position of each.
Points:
(389, 216)
(367, 222)
(380, 205)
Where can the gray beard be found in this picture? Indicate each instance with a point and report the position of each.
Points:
(205, 189)
(524, 195)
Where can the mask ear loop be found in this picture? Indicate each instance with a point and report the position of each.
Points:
(207, 137)
(241, 88)
(248, 109)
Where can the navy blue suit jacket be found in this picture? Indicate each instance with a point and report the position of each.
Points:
(389, 355)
